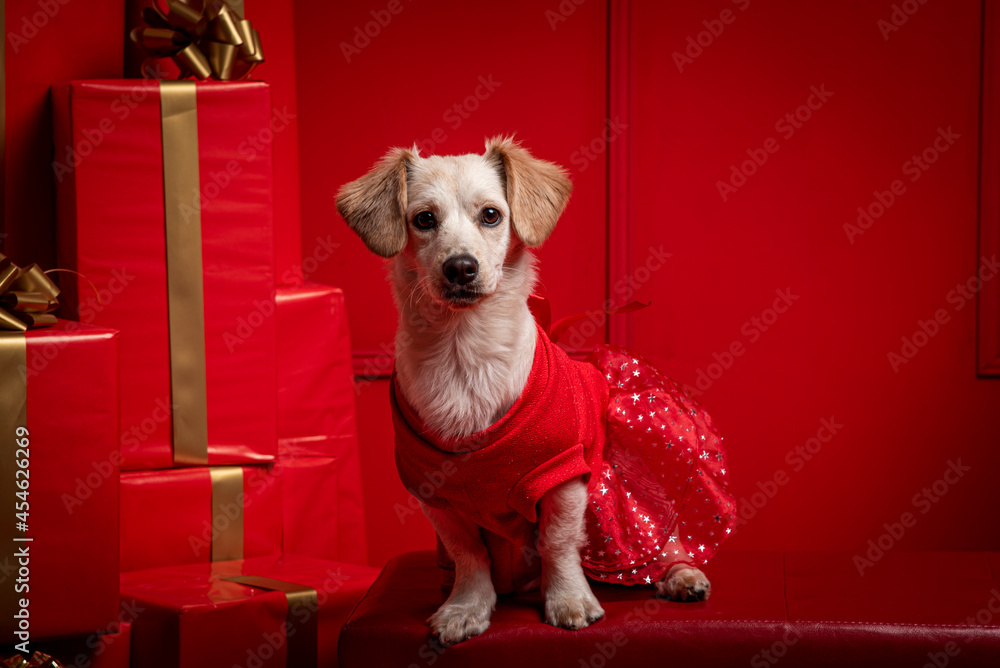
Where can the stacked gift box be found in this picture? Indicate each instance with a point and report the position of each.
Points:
(200, 503)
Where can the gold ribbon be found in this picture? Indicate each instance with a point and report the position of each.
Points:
(13, 416)
(27, 297)
(207, 39)
(302, 618)
(227, 530)
(185, 297)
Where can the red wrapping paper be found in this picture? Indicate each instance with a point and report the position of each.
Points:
(317, 431)
(105, 650)
(193, 618)
(166, 516)
(111, 230)
(321, 508)
(316, 413)
(72, 418)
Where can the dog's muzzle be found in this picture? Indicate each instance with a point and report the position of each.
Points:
(460, 273)
(460, 270)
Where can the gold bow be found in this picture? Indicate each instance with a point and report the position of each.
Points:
(213, 40)
(38, 660)
(27, 297)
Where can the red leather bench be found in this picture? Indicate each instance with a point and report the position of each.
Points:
(809, 609)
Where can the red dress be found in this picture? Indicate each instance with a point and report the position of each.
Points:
(654, 463)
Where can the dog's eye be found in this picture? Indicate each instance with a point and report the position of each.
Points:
(424, 220)
(490, 216)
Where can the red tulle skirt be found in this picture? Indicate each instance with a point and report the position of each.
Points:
(661, 495)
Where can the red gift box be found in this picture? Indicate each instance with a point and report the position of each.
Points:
(59, 405)
(193, 616)
(199, 514)
(165, 208)
(317, 432)
(316, 413)
(105, 650)
(321, 509)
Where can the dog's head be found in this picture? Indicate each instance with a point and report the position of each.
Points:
(461, 218)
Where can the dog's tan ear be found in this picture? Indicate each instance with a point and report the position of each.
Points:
(537, 191)
(375, 205)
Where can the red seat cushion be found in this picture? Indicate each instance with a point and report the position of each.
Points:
(808, 609)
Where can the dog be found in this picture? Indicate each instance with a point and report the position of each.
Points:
(459, 232)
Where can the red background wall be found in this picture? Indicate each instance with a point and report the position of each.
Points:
(401, 88)
(826, 356)
(558, 77)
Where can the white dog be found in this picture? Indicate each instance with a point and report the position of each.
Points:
(458, 230)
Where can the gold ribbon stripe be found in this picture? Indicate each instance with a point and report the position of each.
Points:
(302, 617)
(179, 122)
(227, 531)
(13, 414)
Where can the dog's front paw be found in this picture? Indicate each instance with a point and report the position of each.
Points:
(572, 611)
(456, 622)
(684, 583)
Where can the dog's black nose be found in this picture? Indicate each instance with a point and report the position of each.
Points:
(461, 269)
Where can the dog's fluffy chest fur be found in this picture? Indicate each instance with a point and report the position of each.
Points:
(463, 370)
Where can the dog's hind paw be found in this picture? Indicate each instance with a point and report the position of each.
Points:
(684, 583)
(455, 623)
(572, 611)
